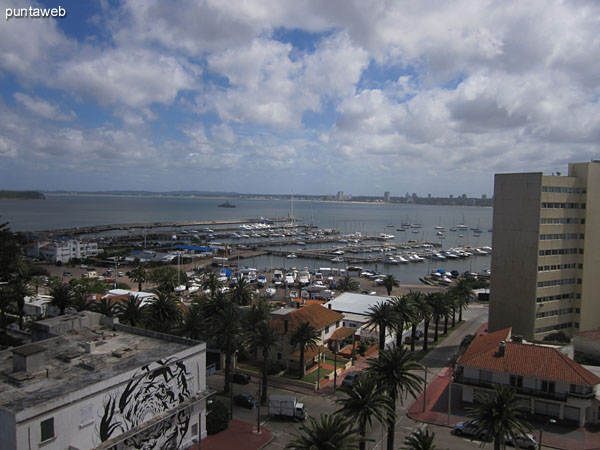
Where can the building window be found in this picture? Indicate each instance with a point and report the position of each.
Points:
(47, 427)
(516, 381)
(327, 329)
(485, 375)
(548, 386)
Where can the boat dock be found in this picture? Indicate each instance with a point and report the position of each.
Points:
(149, 225)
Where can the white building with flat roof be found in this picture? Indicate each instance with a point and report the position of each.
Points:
(355, 308)
(91, 382)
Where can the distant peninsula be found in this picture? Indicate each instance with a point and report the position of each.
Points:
(21, 195)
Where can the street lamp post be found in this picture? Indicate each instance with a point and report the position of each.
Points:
(542, 431)
(425, 389)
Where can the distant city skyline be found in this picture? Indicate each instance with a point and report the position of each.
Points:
(280, 96)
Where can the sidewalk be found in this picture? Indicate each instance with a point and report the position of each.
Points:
(238, 436)
(435, 411)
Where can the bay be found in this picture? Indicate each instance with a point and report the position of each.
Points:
(66, 211)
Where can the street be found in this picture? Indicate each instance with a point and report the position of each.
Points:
(285, 430)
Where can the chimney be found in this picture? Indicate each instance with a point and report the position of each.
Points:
(517, 338)
(501, 348)
(89, 346)
(29, 358)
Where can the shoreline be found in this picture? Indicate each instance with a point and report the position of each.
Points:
(355, 202)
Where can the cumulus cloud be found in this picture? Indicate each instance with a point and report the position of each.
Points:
(43, 108)
(309, 87)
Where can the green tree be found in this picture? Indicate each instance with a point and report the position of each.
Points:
(227, 329)
(62, 296)
(426, 315)
(193, 325)
(131, 311)
(363, 402)
(166, 278)
(81, 300)
(347, 284)
(303, 337)
(211, 283)
(420, 440)
(499, 414)
(331, 432)
(418, 304)
(389, 283)
(6, 304)
(10, 250)
(139, 275)
(395, 372)
(19, 289)
(164, 312)
(381, 316)
(105, 306)
(404, 314)
(241, 292)
(438, 308)
(462, 291)
(262, 337)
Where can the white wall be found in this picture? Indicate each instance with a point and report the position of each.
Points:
(78, 416)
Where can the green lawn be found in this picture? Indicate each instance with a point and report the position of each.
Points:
(312, 377)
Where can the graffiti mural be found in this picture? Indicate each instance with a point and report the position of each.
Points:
(157, 388)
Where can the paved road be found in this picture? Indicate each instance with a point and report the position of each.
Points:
(284, 430)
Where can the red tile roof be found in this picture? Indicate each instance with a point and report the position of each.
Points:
(318, 316)
(341, 333)
(525, 359)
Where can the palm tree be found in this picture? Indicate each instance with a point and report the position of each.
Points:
(6, 303)
(166, 278)
(211, 283)
(499, 414)
(461, 291)
(419, 440)
(426, 315)
(394, 370)
(193, 324)
(450, 303)
(140, 275)
(62, 296)
(262, 337)
(389, 283)
(417, 301)
(304, 336)
(381, 316)
(131, 312)
(404, 314)
(331, 432)
(18, 291)
(105, 306)
(240, 293)
(438, 308)
(81, 301)
(363, 401)
(347, 284)
(164, 312)
(227, 328)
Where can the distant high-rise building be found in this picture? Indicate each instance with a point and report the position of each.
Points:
(483, 197)
(340, 196)
(387, 197)
(546, 247)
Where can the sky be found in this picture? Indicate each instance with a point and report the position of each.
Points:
(303, 96)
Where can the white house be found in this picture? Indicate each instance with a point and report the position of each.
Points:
(355, 308)
(63, 250)
(548, 381)
(99, 384)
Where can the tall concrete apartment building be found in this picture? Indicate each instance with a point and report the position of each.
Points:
(546, 258)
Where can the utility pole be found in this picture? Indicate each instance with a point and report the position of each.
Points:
(425, 389)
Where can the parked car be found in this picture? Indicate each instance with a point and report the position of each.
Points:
(349, 378)
(527, 441)
(240, 378)
(246, 400)
(66, 274)
(469, 428)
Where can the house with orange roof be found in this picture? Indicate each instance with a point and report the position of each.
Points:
(548, 381)
(326, 322)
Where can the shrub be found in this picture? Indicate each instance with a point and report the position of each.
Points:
(559, 336)
(217, 417)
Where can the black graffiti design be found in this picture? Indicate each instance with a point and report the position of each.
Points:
(158, 388)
